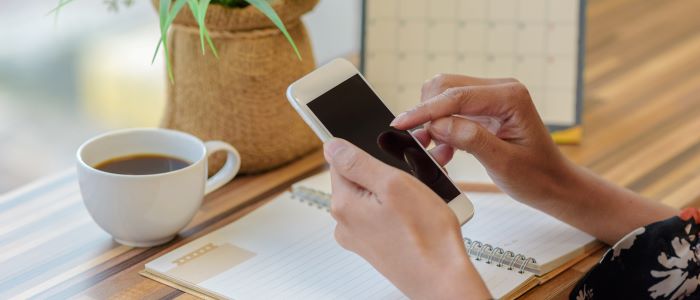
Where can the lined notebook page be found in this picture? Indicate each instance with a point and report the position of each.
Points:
(297, 258)
(503, 222)
(292, 255)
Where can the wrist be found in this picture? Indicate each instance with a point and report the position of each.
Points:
(460, 280)
(564, 183)
(443, 271)
(569, 179)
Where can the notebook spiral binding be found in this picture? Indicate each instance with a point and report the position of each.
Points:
(312, 197)
(478, 250)
(502, 257)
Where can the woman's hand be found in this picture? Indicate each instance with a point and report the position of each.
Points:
(399, 226)
(521, 157)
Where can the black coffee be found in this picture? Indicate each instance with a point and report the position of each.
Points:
(142, 164)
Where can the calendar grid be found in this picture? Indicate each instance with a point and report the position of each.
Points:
(537, 41)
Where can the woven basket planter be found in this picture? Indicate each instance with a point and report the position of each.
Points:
(240, 97)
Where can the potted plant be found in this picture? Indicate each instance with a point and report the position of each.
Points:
(229, 63)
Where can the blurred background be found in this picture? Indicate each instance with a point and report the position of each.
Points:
(64, 79)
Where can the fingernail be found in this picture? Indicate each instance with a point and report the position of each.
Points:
(398, 119)
(333, 147)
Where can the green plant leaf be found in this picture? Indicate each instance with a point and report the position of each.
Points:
(162, 17)
(203, 8)
(199, 11)
(168, 10)
(194, 7)
(167, 15)
(55, 10)
(264, 7)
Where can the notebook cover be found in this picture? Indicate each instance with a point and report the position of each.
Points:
(186, 288)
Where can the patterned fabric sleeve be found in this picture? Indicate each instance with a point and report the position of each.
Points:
(658, 261)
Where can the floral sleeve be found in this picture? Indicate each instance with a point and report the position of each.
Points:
(658, 261)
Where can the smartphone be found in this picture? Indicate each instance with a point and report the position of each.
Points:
(336, 101)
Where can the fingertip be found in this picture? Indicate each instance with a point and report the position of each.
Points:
(448, 152)
(396, 123)
(343, 155)
(332, 147)
(442, 154)
(422, 136)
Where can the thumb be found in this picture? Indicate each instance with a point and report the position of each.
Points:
(469, 136)
(356, 165)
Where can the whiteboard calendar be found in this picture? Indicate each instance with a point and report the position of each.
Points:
(539, 42)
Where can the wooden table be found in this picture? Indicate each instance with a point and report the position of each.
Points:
(642, 106)
(642, 130)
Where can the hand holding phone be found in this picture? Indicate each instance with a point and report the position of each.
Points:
(336, 101)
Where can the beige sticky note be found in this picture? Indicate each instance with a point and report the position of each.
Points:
(208, 261)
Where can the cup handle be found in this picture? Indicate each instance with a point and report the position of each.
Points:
(230, 168)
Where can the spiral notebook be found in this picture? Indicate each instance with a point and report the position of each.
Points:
(285, 250)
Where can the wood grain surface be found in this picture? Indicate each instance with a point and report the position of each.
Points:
(641, 130)
(641, 109)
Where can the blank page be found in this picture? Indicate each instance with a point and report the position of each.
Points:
(503, 222)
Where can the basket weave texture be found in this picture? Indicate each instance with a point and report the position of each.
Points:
(240, 97)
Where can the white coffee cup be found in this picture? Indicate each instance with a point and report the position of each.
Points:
(148, 210)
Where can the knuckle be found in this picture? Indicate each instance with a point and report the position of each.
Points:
(458, 95)
(511, 80)
(522, 98)
(454, 92)
(441, 81)
(434, 86)
(351, 160)
(461, 95)
(441, 78)
(519, 91)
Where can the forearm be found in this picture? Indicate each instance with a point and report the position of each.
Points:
(600, 208)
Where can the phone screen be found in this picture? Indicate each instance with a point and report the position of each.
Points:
(353, 112)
